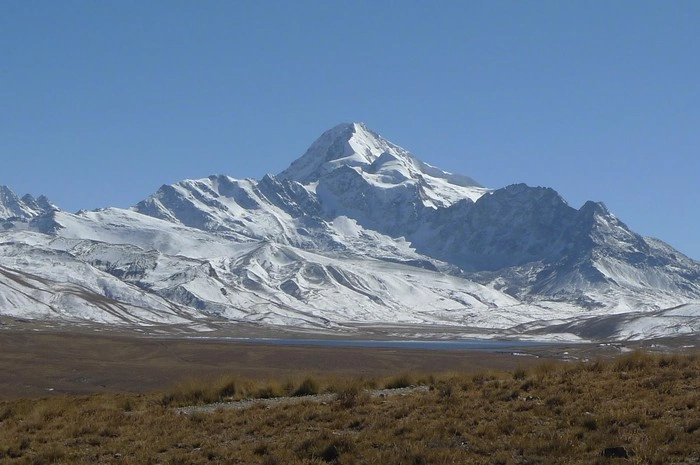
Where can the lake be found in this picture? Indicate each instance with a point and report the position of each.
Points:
(472, 344)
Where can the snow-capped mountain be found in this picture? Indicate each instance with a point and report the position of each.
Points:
(357, 231)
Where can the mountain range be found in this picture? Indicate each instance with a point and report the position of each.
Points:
(356, 234)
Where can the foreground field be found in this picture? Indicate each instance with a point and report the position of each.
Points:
(637, 408)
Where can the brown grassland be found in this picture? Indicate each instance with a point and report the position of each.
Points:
(635, 408)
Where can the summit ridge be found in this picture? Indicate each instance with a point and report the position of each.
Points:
(349, 144)
(380, 163)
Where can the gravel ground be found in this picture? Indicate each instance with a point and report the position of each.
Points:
(318, 398)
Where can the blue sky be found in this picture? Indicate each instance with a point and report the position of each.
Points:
(102, 102)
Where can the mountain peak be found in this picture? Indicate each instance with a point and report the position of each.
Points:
(27, 207)
(354, 145)
(350, 144)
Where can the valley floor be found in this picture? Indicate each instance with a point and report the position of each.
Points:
(38, 360)
(43, 362)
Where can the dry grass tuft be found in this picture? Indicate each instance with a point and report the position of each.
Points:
(352, 396)
(401, 381)
(308, 387)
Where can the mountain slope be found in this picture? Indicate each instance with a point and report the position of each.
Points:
(62, 287)
(356, 231)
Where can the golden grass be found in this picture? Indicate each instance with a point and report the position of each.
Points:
(646, 407)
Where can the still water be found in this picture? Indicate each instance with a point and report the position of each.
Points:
(473, 344)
